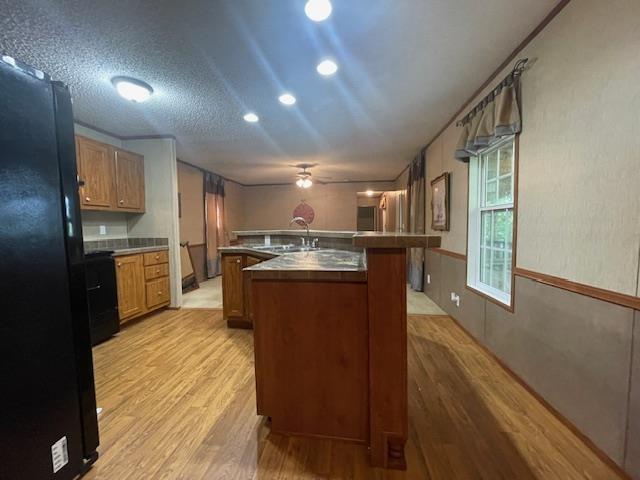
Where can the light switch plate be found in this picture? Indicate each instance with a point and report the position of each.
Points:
(428, 279)
(103, 229)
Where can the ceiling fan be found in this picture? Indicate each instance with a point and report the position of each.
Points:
(304, 177)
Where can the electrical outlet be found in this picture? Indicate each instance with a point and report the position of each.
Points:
(428, 279)
(103, 229)
(455, 298)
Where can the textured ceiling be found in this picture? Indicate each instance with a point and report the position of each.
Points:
(405, 67)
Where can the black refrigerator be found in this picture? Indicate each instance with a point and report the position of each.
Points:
(48, 423)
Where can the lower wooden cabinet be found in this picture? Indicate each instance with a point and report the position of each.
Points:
(236, 289)
(232, 287)
(130, 281)
(143, 283)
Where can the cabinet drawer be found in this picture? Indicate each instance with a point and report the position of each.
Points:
(156, 271)
(154, 258)
(158, 292)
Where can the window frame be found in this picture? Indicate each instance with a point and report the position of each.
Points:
(474, 224)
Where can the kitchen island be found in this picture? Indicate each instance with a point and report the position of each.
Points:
(330, 340)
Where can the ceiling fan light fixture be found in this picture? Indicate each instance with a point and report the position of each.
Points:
(306, 183)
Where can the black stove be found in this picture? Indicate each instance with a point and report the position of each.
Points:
(102, 295)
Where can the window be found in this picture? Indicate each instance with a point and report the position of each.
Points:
(491, 217)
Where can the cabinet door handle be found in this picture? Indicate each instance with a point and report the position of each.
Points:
(158, 271)
(88, 199)
(238, 261)
(157, 257)
(119, 264)
(121, 202)
(159, 293)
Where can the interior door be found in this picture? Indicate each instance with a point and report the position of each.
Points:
(129, 180)
(95, 169)
(130, 280)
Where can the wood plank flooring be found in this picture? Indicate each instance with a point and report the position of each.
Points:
(178, 394)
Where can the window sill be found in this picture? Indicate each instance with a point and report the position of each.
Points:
(493, 299)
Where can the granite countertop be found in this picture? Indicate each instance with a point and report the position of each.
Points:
(316, 260)
(297, 233)
(395, 240)
(249, 250)
(133, 250)
(327, 265)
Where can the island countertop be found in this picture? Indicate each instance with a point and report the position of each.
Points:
(296, 233)
(338, 265)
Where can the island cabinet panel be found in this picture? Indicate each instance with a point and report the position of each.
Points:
(232, 287)
(236, 289)
(387, 295)
(248, 304)
(129, 173)
(130, 282)
(96, 174)
(311, 357)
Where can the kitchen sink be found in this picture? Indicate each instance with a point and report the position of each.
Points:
(284, 248)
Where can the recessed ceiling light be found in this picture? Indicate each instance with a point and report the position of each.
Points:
(327, 67)
(369, 193)
(132, 89)
(251, 117)
(318, 10)
(287, 99)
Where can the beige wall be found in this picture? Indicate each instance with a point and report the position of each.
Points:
(234, 206)
(578, 218)
(335, 205)
(161, 202)
(191, 190)
(579, 208)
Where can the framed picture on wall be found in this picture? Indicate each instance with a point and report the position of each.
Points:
(440, 202)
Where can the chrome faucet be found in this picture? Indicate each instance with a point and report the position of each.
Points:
(306, 225)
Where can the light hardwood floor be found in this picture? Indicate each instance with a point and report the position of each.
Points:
(209, 295)
(178, 395)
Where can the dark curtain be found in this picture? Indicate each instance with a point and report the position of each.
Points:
(416, 201)
(215, 222)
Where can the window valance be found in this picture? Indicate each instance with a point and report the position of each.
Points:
(214, 184)
(496, 116)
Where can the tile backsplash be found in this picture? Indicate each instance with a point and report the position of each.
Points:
(120, 243)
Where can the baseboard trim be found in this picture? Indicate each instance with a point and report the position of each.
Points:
(566, 422)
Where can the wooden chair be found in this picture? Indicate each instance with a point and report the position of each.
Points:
(189, 280)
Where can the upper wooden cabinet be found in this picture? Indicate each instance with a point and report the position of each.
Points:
(110, 178)
(95, 169)
(129, 180)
